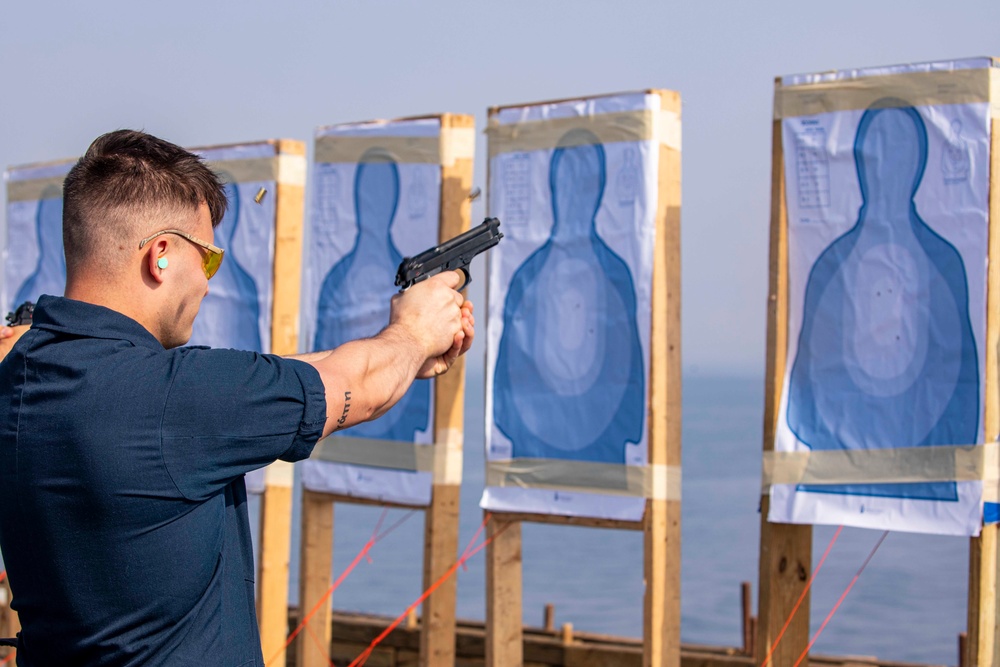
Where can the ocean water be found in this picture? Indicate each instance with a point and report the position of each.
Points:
(908, 605)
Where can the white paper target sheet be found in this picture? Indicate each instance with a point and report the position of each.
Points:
(887, 182)
(574, 184)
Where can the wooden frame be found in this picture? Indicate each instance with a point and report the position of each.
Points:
(288, 171)
(982, 643)
(661, 523)
(437, 642)
(786, 549)
(276, 501)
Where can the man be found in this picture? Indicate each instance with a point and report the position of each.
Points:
(123, 518)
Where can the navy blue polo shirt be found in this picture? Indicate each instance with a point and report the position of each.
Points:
(123, 520)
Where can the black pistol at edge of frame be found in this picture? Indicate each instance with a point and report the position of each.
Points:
(453, 255)
(23, 315)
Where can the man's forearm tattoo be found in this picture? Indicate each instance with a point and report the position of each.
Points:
(347, 408)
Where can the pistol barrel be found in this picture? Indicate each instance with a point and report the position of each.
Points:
(453, 254)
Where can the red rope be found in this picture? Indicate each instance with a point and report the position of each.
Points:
(843, 595)
(802, 597)
(466, 555)
(323, 650)
(375, 537)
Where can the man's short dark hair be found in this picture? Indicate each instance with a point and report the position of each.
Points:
(126, 179)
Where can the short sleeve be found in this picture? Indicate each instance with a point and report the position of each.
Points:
(227, 412)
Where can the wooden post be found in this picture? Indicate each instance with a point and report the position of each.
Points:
(549, 618)
(276, 501)
(275, 552)
(746, 616)
(504, 634)
(437, 636)
(982, 596)
(982, 644)
(785, 549)
(662, 521)
(567, 634)
(315, 578)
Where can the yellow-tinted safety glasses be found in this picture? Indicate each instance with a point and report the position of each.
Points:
(210, 261)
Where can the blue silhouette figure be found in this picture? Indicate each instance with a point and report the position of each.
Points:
(886, 355)
(569, 381)
(354, 296)
(230, 314)
(49, 276)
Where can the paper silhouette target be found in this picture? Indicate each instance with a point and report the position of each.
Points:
(49, 275)
(886, 294)
(569, 318)
(886, 328)
(354, 295)
(237, 311)
(231, 316)
(376, 199)
(569, 375)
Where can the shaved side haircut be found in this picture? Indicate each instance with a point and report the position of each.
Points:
(128, 185)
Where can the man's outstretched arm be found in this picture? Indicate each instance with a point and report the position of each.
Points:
(430, 326)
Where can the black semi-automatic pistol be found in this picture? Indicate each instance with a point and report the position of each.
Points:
(23, 315)
(453, 254)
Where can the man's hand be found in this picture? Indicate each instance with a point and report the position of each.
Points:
(438, 320)
(430, 326)
(9, 336)
(461, 344)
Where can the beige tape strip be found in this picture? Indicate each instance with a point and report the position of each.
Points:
(390, 454)
(656, 482)
(457, 143)
(443, 460)
(938, 463)
(425, 150)
(995, 92)
(35, 189)
(279, 473)
(289, 169)
(965, 86)
(663, 127)
(448, 457)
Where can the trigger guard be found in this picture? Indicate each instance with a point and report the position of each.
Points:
(468, 279)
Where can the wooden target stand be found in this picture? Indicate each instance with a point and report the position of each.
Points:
(786, 549)
(437, 637)
(661, 522)
(287, 168)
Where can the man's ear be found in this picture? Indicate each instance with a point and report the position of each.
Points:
(157, 259)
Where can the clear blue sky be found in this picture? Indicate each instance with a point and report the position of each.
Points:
(201, 72)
